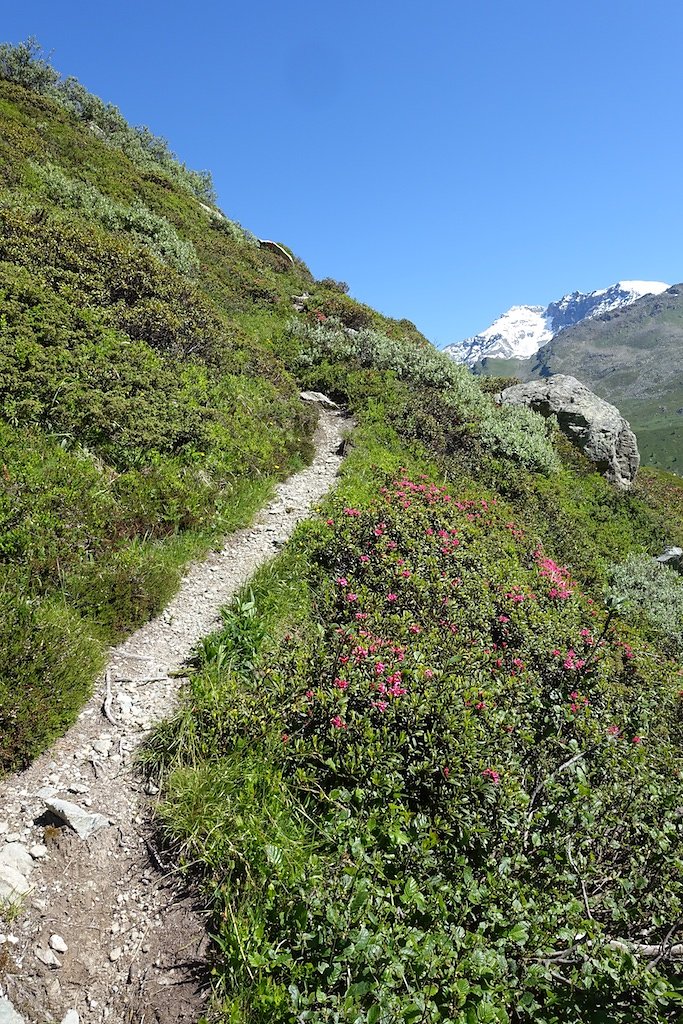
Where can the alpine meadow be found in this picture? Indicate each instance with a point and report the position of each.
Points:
(428, 769)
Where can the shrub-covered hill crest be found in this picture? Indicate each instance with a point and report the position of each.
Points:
(429, 770)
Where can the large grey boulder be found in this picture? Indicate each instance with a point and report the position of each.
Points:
(590, 423)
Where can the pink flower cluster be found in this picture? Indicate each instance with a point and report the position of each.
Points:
(491, 775)
(558, 575)
(572, 660)
(578, 701)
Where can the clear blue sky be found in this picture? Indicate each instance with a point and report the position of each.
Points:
(447, 159)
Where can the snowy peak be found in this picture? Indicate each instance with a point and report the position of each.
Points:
(521, 331)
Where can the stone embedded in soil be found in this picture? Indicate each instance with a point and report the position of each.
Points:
(58, 944)
(38, 851)
(15, 855)
(116, 954)
(71, 1017)
(8, 1015)
(13, 885)
(102, 746)
(47, 957)
(82, 822)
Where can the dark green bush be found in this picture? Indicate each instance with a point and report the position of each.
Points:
(48, 660)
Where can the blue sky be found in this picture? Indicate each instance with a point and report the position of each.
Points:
(446, 159)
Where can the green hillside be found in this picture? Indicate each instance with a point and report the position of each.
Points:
(633, 357)
(429, 769)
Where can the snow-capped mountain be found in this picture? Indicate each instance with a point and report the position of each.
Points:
(521, 331)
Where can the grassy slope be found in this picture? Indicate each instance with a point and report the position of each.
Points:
(393, 848)
(425, 860)
(143, 408)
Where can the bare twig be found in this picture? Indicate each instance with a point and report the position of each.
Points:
(646, 949)
(106, 706)
(142, 679)
(669, 935)
(581, 881)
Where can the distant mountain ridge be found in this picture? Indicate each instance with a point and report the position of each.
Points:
(631, 356)
(523, 330)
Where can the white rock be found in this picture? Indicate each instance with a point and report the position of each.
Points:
(102, 747)
(12, 837)
(71, 1017)
(15, 855)
(45, 792)
(78, 787)
(47, 957)
(38, 851)
(4, 827)
(115, 954)
(58, 944)
(317, 397)
(13, 885)
(82, 822)
(8, 1015)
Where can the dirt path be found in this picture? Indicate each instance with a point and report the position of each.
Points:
(104, 934)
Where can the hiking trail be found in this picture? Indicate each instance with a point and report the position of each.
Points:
(105, 932)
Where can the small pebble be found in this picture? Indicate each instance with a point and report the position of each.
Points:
(115, 954)
(58, 944)
(38, 851)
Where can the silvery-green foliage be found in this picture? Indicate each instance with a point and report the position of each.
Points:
(423, 365)
(652, 591)
(149, 228)
(522, 435)
(519, 434)
(27, 65)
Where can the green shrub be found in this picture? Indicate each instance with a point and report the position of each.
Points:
(27, 65)
(653, 592)
(48, 661)
(522, 435)
(423, 365)
(335, 286)
(141, 224)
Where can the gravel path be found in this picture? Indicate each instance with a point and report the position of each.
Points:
(104, 934)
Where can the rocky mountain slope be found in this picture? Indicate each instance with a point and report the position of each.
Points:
(520, 332)
(633, 358)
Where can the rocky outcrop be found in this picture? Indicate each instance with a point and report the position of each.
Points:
(590, 423)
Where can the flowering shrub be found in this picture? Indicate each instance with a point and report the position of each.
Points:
(487, 766)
